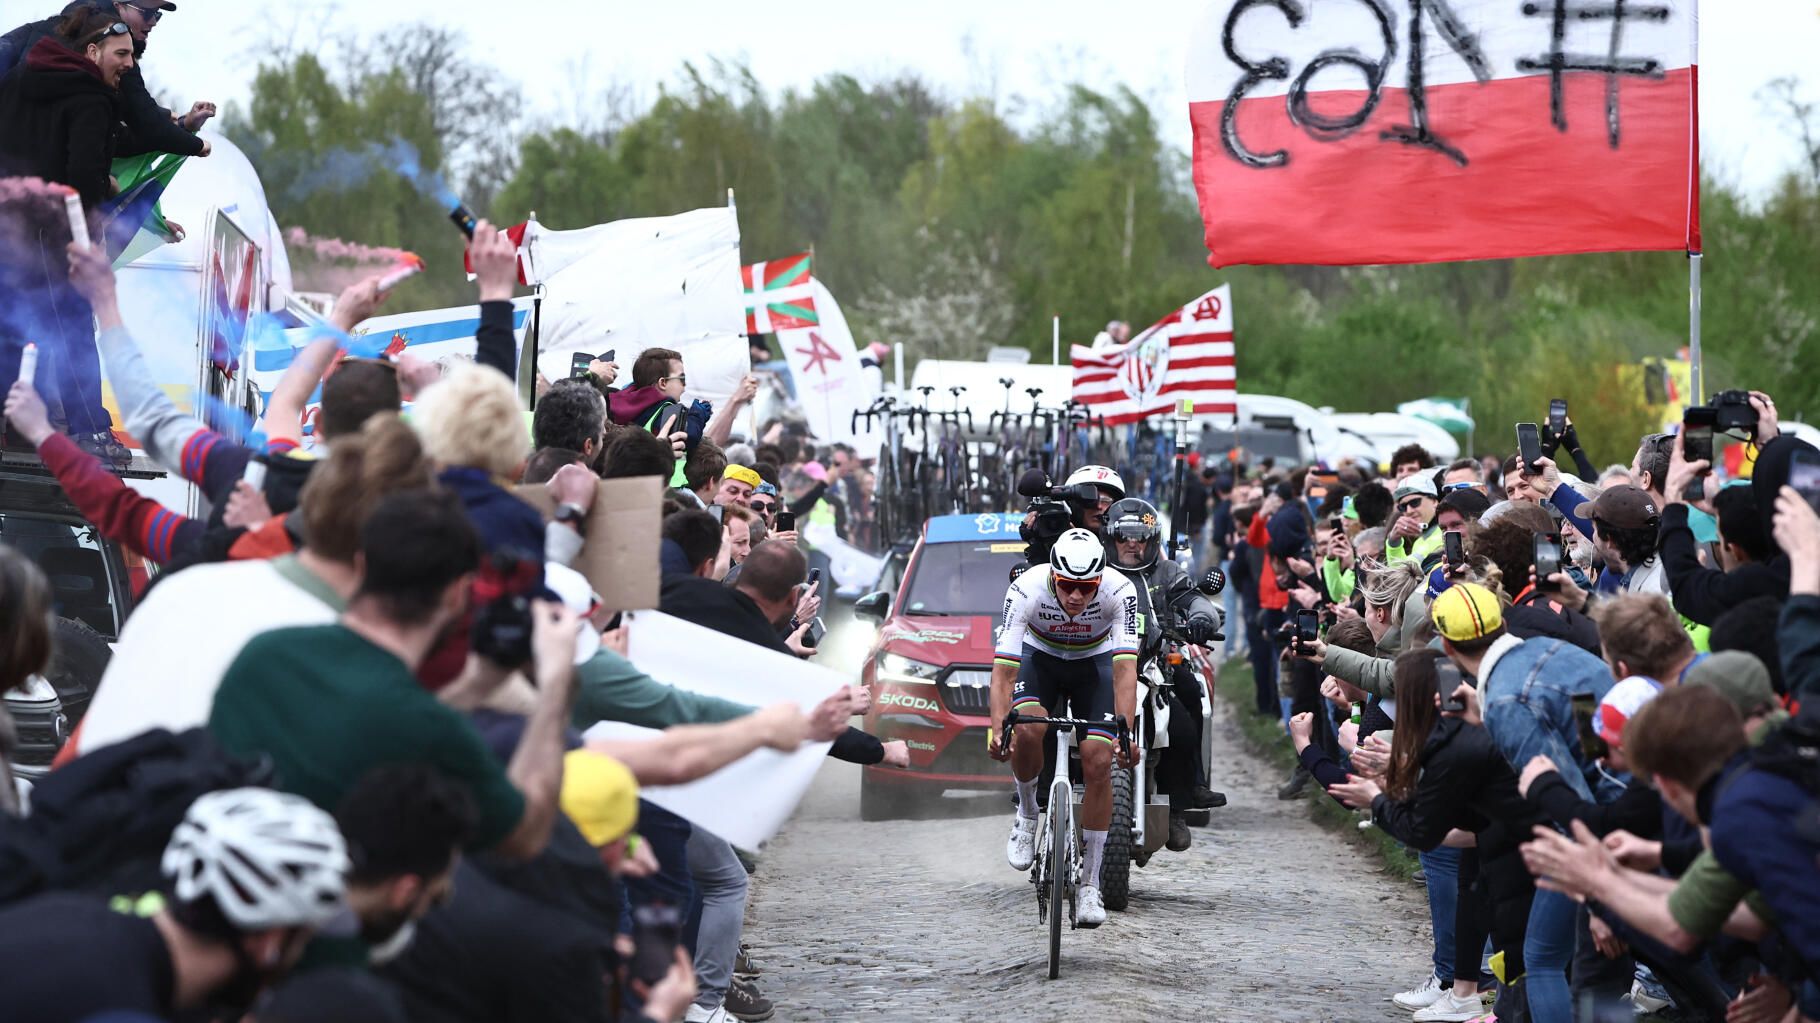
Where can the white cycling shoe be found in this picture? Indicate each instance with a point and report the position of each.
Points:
(1020, 848)
(1089, 908)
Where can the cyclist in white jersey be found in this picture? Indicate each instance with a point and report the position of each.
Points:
(1070, 636)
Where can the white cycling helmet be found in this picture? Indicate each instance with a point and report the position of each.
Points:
(1099, 476)
(1078, 556)
(268, 859)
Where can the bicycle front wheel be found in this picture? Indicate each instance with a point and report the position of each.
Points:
(1061, 869)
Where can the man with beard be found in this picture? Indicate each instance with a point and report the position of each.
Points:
(405, 825)
(252, 875)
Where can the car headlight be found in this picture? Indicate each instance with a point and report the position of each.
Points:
(904, 669)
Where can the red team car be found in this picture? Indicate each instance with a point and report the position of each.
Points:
(931, 666)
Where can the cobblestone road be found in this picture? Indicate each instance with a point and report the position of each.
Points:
(1267, 918)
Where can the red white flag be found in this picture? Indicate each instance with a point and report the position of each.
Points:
(1188, 354)
(1414, 131)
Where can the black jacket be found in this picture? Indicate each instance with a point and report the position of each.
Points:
(1703, 594)
(1535, 613)
(1638, 810)
(1165, 586)
(1465, 784)
(149, 128)
(714, 605)
(57, 121)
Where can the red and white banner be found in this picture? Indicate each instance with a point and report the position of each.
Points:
(1188, 354)
(1414, 131)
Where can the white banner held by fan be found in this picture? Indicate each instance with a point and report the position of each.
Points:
(654, 282)
(749, 799)
(825, 365)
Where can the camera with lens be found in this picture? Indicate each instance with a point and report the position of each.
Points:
(1054, 510)
(1735, 412)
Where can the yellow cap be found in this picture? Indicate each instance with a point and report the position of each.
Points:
(749, 477)
(600, 795)
(1465, 612)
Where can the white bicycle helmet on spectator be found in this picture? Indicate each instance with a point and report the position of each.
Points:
(1078, 556)
(1099, 476)
(267, 859)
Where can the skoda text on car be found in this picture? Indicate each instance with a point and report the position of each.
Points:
(931, 667)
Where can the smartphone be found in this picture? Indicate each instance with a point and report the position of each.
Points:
(1586, 708)
(813, 637)
(1547, 558)
(1529, 445)
(1307, 625)
(814, 582)
(1804, 476)
(1337, 524)
(656, 930)
(578, 365)
(1557, 416)
(1697, 426)
(611, 355)
(786, 522)
(1455, 546)
(1447, 682)
(718, 512)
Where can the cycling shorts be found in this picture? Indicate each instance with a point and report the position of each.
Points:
(1046, 683)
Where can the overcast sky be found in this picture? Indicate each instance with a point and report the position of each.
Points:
(1007, 48)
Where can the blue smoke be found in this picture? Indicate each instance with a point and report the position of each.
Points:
(339, 170)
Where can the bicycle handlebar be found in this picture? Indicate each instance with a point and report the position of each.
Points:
(1014, 719)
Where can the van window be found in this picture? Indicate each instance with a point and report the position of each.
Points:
(70, 555)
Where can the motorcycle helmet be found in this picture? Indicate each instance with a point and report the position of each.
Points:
(1078, 557)
(267, 859)
(1099, 476)
(1134, 519)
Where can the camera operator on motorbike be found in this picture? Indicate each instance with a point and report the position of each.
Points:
(1079, 503)
(1166, 595)
(1069, 634)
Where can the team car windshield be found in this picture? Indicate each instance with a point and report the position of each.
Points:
(962, 579)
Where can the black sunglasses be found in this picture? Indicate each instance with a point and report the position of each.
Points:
(762, 507)
(150, 14)
(1411, 504)
(118, 28)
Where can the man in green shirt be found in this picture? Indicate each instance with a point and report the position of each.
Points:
(330, 703)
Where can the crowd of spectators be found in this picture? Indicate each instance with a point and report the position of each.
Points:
(1585, 700)
(342, 732)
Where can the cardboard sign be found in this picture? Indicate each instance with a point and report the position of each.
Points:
(619, 553)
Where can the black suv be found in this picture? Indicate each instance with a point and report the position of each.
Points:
(92, 591)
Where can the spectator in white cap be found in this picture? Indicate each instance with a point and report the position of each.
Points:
(1414, 535)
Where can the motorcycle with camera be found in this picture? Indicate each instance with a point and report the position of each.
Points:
(1140, 809)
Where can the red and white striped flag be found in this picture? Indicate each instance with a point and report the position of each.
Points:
(1188, 354)
(1418, 131)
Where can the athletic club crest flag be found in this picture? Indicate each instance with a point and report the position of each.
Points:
(1189, 354)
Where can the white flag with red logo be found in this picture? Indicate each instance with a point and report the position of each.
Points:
(1189, 355)
(824, 365)
(1416, 131)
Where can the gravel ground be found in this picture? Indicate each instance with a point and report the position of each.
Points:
(1269, 917)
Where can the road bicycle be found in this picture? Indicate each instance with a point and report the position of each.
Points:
(1056, 870)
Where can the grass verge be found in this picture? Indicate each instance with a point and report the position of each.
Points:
(1264, 736)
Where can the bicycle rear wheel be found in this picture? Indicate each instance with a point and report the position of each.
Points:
(1061, 867)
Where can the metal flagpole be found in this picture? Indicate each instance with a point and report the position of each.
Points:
(1055, 343)
(1696, 372)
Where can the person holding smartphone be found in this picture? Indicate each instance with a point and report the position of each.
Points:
(1751, 562)
(1413, 534)
(1447, 779)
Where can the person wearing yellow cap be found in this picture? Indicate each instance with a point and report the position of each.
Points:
(601, 796)
(736, 485)
(1525, 691)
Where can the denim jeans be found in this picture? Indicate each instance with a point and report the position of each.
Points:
(1548, 946)
(1264, 663)
(1442, 868)
(62, 324)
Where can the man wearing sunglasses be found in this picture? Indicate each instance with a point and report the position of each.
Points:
(151, 128)
(1414, 535)
(1070, 637)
